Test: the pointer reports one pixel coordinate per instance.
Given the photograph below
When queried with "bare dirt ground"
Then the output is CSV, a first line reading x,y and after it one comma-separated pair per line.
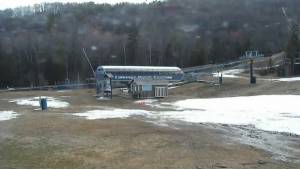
x,y
55,139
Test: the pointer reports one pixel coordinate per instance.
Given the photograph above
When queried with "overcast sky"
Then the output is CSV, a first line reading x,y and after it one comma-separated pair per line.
x,y
17,3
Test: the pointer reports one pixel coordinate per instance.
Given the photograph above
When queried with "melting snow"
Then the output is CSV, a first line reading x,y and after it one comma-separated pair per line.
x,y
292,79
110,114
7,115
153,103
229,73
63,91
173,87
34,101
146,101
278,113
271,113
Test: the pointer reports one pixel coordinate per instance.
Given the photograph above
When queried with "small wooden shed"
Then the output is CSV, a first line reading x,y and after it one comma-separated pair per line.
x,y
148,88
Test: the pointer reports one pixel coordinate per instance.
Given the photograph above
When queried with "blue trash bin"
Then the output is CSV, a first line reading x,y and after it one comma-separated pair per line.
x,y
43,104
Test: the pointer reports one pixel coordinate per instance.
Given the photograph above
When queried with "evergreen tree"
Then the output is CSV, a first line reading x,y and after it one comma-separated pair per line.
x,y
199,54
53,72
169,56
246,45
132,46
216,51
293,46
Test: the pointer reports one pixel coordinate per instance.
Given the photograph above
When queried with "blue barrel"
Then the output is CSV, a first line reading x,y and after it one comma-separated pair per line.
x,y
43,104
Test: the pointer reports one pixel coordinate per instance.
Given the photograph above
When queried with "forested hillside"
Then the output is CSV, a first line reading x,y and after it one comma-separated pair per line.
x,y
43,44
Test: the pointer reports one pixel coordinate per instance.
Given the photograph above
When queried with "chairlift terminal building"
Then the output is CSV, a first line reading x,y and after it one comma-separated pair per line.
x,y
128,74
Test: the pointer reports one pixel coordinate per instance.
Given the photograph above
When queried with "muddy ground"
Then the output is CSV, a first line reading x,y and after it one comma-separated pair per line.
x,y
55,139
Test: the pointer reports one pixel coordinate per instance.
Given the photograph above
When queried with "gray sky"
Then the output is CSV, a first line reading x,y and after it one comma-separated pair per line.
x,y
17,3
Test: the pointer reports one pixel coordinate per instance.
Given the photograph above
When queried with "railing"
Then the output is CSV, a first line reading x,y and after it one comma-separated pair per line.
x,y
53,87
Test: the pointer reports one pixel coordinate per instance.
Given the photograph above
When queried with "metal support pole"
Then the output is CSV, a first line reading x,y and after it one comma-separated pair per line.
x,y
221,78
252,78
110,88
251,68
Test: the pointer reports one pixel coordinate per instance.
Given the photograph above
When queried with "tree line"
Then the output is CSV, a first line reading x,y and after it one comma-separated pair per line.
x,y
42,44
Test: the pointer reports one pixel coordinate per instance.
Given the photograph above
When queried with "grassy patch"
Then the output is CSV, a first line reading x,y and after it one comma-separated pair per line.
x,y
39,155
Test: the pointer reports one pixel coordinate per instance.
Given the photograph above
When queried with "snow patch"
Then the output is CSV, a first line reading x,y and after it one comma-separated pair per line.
x,y
291,79
153,103
270,113
111,114
229,73
7,115
35,102
276,113
65,96
64,91
146,101
173,87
